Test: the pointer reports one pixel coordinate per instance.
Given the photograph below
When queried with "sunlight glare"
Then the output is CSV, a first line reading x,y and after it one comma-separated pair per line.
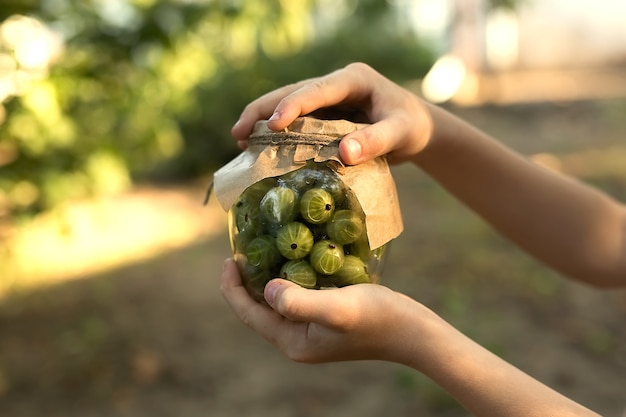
x,y
502,39
27,49
444,79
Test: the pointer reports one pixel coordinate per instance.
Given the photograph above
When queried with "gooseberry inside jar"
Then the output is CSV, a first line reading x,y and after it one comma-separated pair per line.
x,y
305,226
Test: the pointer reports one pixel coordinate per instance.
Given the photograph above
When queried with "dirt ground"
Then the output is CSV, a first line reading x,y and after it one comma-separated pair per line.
x,y
156,339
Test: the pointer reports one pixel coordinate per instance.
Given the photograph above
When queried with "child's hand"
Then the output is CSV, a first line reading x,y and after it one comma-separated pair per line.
x,y
355,322
402,124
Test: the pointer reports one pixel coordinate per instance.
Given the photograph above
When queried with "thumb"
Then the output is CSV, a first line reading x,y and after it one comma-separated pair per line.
x,y
274,290
368,143
297,303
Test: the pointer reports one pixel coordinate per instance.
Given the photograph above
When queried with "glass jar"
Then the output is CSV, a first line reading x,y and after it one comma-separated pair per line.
x,y
297,212
305,226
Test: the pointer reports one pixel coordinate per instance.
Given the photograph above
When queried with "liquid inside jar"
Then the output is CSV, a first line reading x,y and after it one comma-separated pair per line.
x,y
305,226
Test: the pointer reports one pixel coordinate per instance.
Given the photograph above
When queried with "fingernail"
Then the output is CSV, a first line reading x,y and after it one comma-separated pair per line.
x,y
274,116
353,148
271,289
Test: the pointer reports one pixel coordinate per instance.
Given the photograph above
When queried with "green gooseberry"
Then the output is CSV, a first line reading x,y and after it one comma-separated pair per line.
x,y
257,191
329,181
317,206
262,252
345,226
327,256
316,175
300,272
242,239
301,179
254,280
353,271
246,214
279,205
294,240
360,248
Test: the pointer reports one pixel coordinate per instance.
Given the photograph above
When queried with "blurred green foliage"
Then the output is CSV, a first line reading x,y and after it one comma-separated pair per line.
x,y
148,89
506,4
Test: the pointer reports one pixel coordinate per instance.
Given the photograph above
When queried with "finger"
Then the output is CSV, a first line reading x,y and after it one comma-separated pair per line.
x,y
261,109
258,317
282,106
334,89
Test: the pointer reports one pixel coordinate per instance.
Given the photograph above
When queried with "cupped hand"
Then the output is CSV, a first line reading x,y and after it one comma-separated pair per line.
x,y
401,125
351,323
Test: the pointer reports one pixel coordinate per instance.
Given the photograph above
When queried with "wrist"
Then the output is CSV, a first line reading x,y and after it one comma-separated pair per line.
x,y
413,126
441,129
409,341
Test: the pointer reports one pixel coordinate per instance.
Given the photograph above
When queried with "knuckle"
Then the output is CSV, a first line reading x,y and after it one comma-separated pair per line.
x,y
286,91
358,67
302,352
246,318
316,88
296,354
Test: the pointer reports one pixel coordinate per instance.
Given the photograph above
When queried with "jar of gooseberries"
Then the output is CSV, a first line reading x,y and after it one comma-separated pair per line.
x,y
296,212
304,226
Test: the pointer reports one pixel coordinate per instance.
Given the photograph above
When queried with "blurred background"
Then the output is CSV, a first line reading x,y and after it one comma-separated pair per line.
x,y
115,113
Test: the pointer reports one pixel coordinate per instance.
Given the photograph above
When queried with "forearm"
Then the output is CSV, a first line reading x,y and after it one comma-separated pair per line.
x,y
482,382
566,224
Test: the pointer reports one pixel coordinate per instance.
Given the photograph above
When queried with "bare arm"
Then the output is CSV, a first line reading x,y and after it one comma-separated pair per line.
x,y
369,321
483,382
569,225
